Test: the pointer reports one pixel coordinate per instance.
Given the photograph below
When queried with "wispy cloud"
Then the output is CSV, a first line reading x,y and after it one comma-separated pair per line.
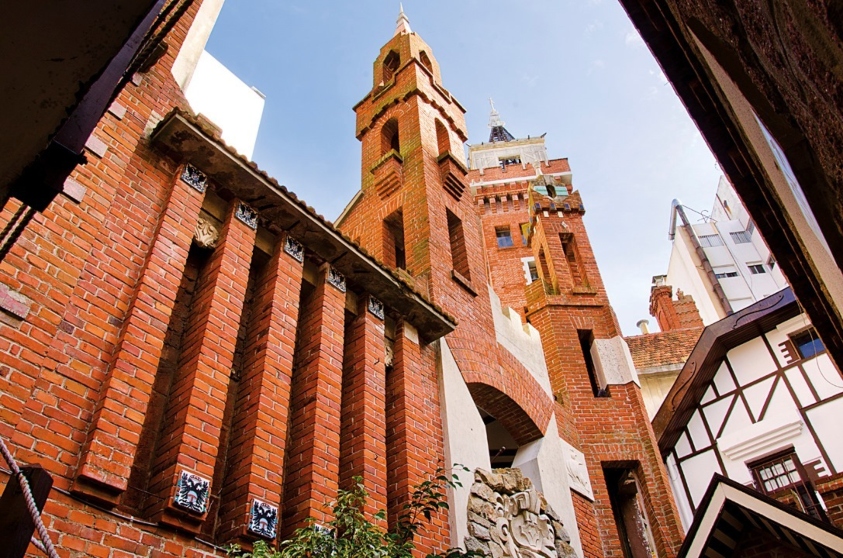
x,y
592,28
529,80
596,66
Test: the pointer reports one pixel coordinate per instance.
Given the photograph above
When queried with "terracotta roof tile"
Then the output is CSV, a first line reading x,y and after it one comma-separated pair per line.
x,y
663,348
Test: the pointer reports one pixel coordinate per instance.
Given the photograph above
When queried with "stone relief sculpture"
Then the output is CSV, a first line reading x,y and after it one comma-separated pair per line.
x,y
206,234
509,518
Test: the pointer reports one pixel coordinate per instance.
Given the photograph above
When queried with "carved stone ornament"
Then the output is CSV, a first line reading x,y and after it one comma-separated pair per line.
x,y
206,234
509,518
577,471
263,519
337,279
389,353
247,215
376,307
192,492
294,248
194,178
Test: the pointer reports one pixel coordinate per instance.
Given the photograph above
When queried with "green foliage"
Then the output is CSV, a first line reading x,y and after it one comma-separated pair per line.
x,y
353,535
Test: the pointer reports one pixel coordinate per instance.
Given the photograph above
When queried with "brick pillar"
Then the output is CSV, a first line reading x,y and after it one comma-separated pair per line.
x,y
413,432
312,473
190,437
363,404
662,307
109,452
259,427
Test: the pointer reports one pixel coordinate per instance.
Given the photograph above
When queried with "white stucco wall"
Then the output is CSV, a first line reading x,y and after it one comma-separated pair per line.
x,y
227,101
520,339
465,439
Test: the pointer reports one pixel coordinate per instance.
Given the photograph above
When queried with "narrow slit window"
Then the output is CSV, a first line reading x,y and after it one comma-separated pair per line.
x,y
459,256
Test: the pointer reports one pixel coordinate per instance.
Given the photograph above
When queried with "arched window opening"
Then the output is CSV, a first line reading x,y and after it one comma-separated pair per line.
x,y
425,60
394,254
390,65
442,139
389,137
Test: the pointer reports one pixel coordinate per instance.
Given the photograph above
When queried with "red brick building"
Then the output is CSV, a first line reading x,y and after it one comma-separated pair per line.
x,y
197,357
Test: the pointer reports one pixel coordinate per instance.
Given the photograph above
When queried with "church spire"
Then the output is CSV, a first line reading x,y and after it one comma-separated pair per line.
x,y
498,133
402,26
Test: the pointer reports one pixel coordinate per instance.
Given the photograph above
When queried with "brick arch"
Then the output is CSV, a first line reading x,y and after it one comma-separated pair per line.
x,y
507,391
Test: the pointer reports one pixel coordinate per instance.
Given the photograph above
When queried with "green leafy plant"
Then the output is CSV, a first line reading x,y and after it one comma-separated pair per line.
x,y
351,534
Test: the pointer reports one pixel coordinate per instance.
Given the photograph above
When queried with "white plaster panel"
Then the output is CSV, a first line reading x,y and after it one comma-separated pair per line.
x,y
465,438
800,387
698,471
544,462
824,376
708,395
756,395
738,419
613,361
520,339
826,422
751,360
696,428
681,498
716,413
683,446
225,100
723,380
719,255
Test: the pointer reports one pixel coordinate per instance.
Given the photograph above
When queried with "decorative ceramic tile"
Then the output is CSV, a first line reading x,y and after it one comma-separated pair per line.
x,y
375,307
195,178
294,248
263,519
192,492
336,278
247,215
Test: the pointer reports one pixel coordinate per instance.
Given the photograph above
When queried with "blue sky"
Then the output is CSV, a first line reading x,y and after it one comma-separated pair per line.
x,y
575,69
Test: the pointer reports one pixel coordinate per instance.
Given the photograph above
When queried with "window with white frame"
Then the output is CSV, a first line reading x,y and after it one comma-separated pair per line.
x,y
756,268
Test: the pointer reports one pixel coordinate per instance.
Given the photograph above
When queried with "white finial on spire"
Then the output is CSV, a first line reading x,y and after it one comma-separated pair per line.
x,y
494,118
402,26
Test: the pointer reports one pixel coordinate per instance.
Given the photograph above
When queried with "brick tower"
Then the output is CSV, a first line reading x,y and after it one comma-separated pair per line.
x,y
416,213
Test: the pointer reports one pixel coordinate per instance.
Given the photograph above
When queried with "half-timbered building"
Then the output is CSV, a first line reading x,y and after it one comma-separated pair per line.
x,y
757,402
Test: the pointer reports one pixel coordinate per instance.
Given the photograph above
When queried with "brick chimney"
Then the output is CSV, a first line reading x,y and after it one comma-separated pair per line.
x,y
673,314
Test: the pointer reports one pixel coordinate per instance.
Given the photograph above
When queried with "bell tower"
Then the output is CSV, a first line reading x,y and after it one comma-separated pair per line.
x,y
414,211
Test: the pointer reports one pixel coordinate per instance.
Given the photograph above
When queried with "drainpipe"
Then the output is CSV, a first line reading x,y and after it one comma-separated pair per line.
x,y
677,209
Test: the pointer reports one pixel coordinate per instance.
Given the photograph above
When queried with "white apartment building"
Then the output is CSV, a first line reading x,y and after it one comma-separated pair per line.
x,y
721,261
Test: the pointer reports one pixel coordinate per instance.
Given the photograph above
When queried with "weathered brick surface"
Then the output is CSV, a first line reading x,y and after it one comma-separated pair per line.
x,y
193,420
414,439
363,435
313,440
259,428
610,431
109,452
